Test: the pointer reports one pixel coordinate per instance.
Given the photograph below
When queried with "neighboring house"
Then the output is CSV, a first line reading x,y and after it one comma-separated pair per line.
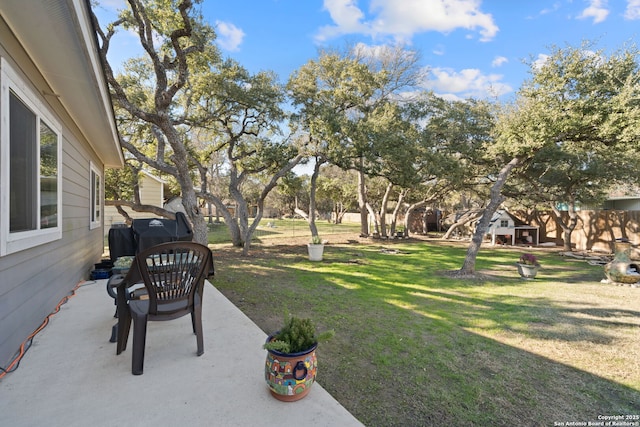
x,y
57,135
151,193
623,203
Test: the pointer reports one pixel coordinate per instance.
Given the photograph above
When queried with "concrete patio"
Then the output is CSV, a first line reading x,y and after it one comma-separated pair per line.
x,y
71,375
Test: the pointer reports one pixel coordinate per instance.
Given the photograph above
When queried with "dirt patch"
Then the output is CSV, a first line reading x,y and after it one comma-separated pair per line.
x,y
270,247
457,274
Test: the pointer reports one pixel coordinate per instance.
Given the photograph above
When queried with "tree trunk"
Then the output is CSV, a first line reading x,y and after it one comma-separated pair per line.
x,y
252,228
383,210
312,198
180,159
410,210
338,211
362,203
567,228
243,223
302,213
464,219
396,212
297,210
247,230
375,216
469,265
229,220
242,211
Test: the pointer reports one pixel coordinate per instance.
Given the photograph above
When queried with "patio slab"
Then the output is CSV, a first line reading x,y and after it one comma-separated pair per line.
x,y
71,375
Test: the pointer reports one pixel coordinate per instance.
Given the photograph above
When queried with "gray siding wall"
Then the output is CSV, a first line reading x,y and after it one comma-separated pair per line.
x,y
34,281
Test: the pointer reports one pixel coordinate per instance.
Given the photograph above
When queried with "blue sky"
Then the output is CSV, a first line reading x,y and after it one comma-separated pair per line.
x,y
470,47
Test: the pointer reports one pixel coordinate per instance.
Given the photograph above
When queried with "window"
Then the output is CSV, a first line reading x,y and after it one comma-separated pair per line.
x,y
504,223
31,164
95,194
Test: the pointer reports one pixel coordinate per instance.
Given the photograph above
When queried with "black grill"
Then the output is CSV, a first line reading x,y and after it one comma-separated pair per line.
x,y
147,232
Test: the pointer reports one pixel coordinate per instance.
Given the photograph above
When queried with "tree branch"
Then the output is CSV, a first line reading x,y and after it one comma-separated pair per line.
x,y
141,208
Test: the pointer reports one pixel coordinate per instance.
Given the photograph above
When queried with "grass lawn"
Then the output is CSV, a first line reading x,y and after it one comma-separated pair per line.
x,y
415,347
273,229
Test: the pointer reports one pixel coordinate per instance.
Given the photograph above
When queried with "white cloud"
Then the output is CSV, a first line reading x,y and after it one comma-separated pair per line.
x,y
540,61
467,83
345,13
229,36
633,10
347,17
597,10
551,9
370,51
439,50
546,11
401,19
498,61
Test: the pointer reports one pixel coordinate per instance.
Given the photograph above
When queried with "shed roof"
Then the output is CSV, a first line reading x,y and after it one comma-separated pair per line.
x,y
502,213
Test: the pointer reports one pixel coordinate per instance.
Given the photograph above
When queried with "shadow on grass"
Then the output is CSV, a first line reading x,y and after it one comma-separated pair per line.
x,y
415,348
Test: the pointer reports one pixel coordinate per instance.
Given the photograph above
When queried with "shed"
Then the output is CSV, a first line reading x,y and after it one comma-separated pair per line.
x,y
425,219
505,228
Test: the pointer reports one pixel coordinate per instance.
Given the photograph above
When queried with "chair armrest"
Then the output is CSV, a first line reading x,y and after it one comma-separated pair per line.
x,y
131,291
113,282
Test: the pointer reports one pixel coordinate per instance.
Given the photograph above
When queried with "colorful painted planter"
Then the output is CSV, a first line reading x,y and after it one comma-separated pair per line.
x,y
290,375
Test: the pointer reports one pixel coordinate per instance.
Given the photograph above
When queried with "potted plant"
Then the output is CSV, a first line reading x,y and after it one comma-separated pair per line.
x,y
315,248
528,266
291,365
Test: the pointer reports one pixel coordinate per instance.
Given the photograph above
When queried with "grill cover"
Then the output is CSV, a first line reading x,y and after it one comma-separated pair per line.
x,y
147,232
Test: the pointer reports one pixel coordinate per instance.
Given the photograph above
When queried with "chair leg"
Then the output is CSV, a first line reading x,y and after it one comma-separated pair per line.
x,y
139,339
123,327
196,318
114,333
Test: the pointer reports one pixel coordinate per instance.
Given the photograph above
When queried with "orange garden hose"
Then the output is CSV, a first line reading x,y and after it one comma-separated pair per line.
x,y
26,344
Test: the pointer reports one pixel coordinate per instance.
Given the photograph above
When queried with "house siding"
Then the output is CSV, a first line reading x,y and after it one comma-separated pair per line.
x,y
35,280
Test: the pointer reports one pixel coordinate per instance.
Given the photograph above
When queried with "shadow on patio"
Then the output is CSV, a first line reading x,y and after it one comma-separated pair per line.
x,y
71,375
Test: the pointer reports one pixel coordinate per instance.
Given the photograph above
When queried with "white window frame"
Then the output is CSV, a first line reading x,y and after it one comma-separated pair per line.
x,y
95,200
10,81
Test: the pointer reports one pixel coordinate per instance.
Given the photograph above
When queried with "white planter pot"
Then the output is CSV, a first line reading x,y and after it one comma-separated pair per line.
x,y
315,252
526,271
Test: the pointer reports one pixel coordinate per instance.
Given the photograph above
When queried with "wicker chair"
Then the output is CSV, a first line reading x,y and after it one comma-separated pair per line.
x,y
173,275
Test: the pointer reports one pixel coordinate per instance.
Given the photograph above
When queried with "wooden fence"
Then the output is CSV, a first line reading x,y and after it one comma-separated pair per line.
x,y
595,231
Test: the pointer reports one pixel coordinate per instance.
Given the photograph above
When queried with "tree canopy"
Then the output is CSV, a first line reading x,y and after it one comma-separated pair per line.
x,y
181,106
579,104
222,135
